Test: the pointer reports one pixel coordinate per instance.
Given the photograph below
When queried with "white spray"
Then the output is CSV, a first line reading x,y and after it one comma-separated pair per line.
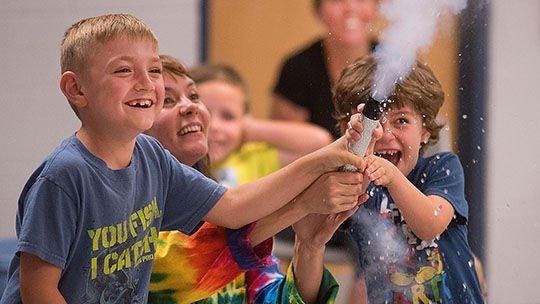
x,y
412,27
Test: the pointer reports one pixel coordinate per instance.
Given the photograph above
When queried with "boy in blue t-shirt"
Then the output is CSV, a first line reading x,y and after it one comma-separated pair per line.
x,y
412,231
89,216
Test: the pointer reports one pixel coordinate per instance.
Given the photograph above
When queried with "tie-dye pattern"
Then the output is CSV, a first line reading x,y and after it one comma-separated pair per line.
x,y
210,266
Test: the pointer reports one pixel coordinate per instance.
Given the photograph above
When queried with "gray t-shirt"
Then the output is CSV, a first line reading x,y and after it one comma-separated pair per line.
x,y
100,226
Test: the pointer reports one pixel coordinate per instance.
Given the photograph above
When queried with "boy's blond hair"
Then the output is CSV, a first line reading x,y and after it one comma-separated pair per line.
x,y
420,89
81,37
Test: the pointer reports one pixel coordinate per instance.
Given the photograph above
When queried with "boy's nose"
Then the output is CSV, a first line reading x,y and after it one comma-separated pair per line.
x,y
388,132
144,83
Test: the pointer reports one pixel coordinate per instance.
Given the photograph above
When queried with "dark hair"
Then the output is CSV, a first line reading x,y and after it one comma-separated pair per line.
x,y
420,89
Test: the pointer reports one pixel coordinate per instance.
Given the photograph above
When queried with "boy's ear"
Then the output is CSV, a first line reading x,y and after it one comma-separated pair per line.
x,y
71,86
425,136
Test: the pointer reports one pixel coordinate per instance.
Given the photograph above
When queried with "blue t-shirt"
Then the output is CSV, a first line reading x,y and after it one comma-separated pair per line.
x,y
397,266
100,226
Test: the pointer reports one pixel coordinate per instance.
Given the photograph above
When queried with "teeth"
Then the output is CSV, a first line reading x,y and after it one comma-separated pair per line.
x,y
189,129
389,152
140,103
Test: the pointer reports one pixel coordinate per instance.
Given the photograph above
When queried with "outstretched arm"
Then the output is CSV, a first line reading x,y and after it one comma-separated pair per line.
x,y
331,193
250,202
291,139
312,234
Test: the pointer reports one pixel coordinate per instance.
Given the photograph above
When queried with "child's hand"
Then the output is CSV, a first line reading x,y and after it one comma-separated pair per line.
x,y
380,171
332,193
355,128
336,155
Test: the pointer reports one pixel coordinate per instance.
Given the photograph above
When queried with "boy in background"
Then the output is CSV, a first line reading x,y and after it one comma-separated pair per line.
x,y
412,231
89,216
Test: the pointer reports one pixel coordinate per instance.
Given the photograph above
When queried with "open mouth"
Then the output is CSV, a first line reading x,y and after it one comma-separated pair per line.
x,y
392,156
190,129
140,103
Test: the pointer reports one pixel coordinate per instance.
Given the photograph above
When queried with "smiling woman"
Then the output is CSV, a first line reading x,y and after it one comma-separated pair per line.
x,y
182,125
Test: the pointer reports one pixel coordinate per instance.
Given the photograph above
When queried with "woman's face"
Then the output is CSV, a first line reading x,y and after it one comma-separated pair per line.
x,y
346,20
226,104
182,124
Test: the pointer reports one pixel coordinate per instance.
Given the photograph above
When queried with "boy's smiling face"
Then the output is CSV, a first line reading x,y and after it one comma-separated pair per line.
x,y
123,86
402,137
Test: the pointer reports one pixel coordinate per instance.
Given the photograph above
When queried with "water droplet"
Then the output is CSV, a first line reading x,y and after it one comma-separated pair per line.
x,y
448,171
479,148
422,180
464,116
445,191
470,263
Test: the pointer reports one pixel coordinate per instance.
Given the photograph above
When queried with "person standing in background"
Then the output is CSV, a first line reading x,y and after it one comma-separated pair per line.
x,y
303,91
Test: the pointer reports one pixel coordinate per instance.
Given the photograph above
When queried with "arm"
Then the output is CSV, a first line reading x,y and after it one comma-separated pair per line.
x,y
312,234
239,206
39,280
332,192
358,291
427,216
283,109
291,139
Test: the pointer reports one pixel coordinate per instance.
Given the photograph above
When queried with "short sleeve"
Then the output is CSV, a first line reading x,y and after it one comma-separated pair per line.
x,y
290,83
446,180
48,221
189,197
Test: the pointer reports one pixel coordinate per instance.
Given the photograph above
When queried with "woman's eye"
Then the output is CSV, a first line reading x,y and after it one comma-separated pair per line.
x,y
167,102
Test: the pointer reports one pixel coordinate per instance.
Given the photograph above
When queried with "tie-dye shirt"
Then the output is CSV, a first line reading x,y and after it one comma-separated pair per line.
x,y
218,265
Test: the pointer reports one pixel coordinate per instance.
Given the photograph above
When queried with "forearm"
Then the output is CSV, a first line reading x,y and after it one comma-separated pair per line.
x,y
290,137
252,201
308,263
427,216
272,224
